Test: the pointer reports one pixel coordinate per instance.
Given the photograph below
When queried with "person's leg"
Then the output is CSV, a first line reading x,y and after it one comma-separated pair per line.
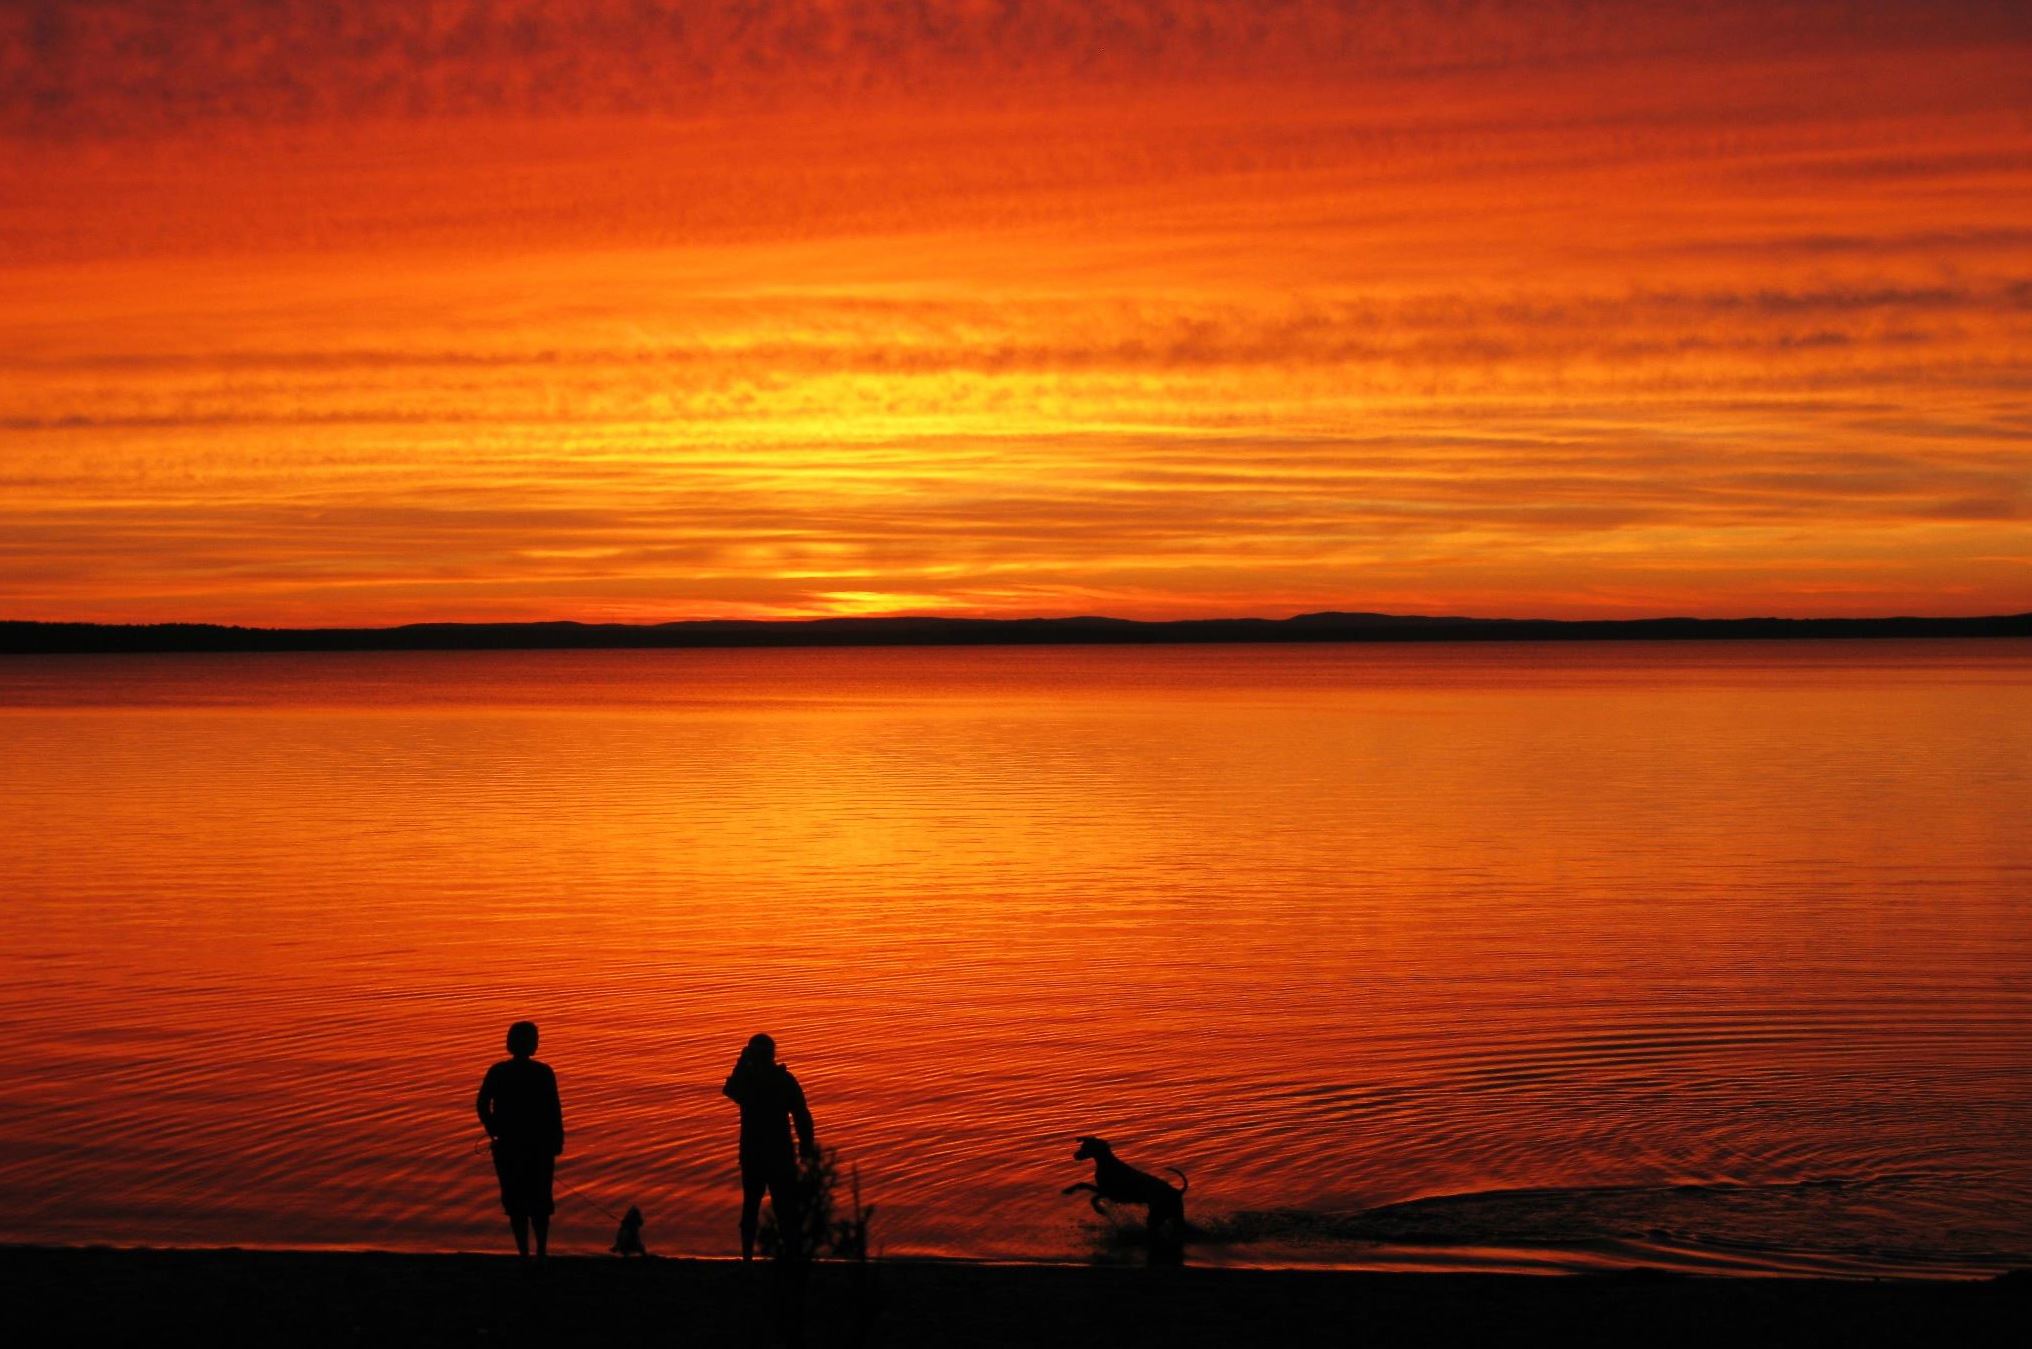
x,y
511,1196
753,1183
542,1172
783,1203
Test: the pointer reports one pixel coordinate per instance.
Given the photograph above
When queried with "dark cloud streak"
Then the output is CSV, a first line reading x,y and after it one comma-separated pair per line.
x,y
82,67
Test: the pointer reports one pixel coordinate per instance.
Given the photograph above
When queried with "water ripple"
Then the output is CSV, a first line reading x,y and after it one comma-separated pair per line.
x,y
1715,958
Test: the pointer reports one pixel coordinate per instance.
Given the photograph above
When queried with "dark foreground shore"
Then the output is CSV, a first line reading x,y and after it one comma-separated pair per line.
x,y
295,1298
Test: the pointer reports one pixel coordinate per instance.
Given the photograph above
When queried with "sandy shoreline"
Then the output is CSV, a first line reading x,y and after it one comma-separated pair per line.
x,y
103,1295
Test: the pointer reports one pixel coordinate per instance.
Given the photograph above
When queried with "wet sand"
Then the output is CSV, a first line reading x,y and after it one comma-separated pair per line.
x,y
290,1298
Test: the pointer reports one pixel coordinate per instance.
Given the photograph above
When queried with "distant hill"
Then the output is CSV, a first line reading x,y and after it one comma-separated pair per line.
x,y
19,638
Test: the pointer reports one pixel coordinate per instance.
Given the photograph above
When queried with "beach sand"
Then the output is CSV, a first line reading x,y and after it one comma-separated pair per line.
x,y
100,1295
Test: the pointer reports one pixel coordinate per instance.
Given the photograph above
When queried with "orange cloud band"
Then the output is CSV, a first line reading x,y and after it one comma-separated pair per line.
x,y
1564,313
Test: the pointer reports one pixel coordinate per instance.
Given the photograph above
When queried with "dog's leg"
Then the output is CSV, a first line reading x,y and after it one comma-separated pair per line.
x,y
1093,1195
1181,1230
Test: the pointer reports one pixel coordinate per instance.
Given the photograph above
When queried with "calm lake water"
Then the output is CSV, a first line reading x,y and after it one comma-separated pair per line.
x,y
1702,955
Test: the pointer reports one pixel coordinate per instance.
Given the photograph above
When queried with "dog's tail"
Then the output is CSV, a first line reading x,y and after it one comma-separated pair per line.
x,y
1183,1183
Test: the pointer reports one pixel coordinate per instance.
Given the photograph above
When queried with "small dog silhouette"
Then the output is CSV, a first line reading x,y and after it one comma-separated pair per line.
x,y
1116,1180
628,1241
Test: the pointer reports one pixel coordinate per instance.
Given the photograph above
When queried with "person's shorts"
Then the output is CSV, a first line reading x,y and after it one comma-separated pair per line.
x,y
525,1176
769,1169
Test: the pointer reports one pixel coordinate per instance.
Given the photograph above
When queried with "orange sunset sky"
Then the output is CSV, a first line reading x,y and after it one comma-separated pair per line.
x,y
396,310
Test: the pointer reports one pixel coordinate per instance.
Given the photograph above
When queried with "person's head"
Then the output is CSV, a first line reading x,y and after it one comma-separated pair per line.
x,y
761,1051
522,1039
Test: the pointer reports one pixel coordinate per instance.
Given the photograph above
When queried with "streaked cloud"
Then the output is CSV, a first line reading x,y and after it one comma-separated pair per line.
x,y
377,313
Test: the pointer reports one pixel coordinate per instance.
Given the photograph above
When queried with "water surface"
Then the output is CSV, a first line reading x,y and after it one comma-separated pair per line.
x,y
1706,955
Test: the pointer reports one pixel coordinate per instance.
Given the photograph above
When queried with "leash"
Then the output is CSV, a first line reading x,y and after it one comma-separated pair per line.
x,y
487,1145
570,1188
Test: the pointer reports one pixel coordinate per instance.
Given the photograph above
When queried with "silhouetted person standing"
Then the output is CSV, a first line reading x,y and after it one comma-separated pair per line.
x,y
519,1110
770,1102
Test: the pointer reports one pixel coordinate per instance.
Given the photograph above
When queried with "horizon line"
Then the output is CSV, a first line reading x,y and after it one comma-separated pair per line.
x,y
45,637
1071,617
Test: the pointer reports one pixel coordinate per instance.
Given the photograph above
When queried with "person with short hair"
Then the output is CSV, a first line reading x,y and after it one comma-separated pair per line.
x,y
519,1109
769,1096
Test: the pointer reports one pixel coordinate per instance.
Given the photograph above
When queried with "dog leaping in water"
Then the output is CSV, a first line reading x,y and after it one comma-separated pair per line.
x,y
1118,1182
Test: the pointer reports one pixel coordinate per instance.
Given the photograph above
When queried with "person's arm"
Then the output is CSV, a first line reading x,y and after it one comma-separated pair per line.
x,y
556,1118
484,1103
800,1115
727,1090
